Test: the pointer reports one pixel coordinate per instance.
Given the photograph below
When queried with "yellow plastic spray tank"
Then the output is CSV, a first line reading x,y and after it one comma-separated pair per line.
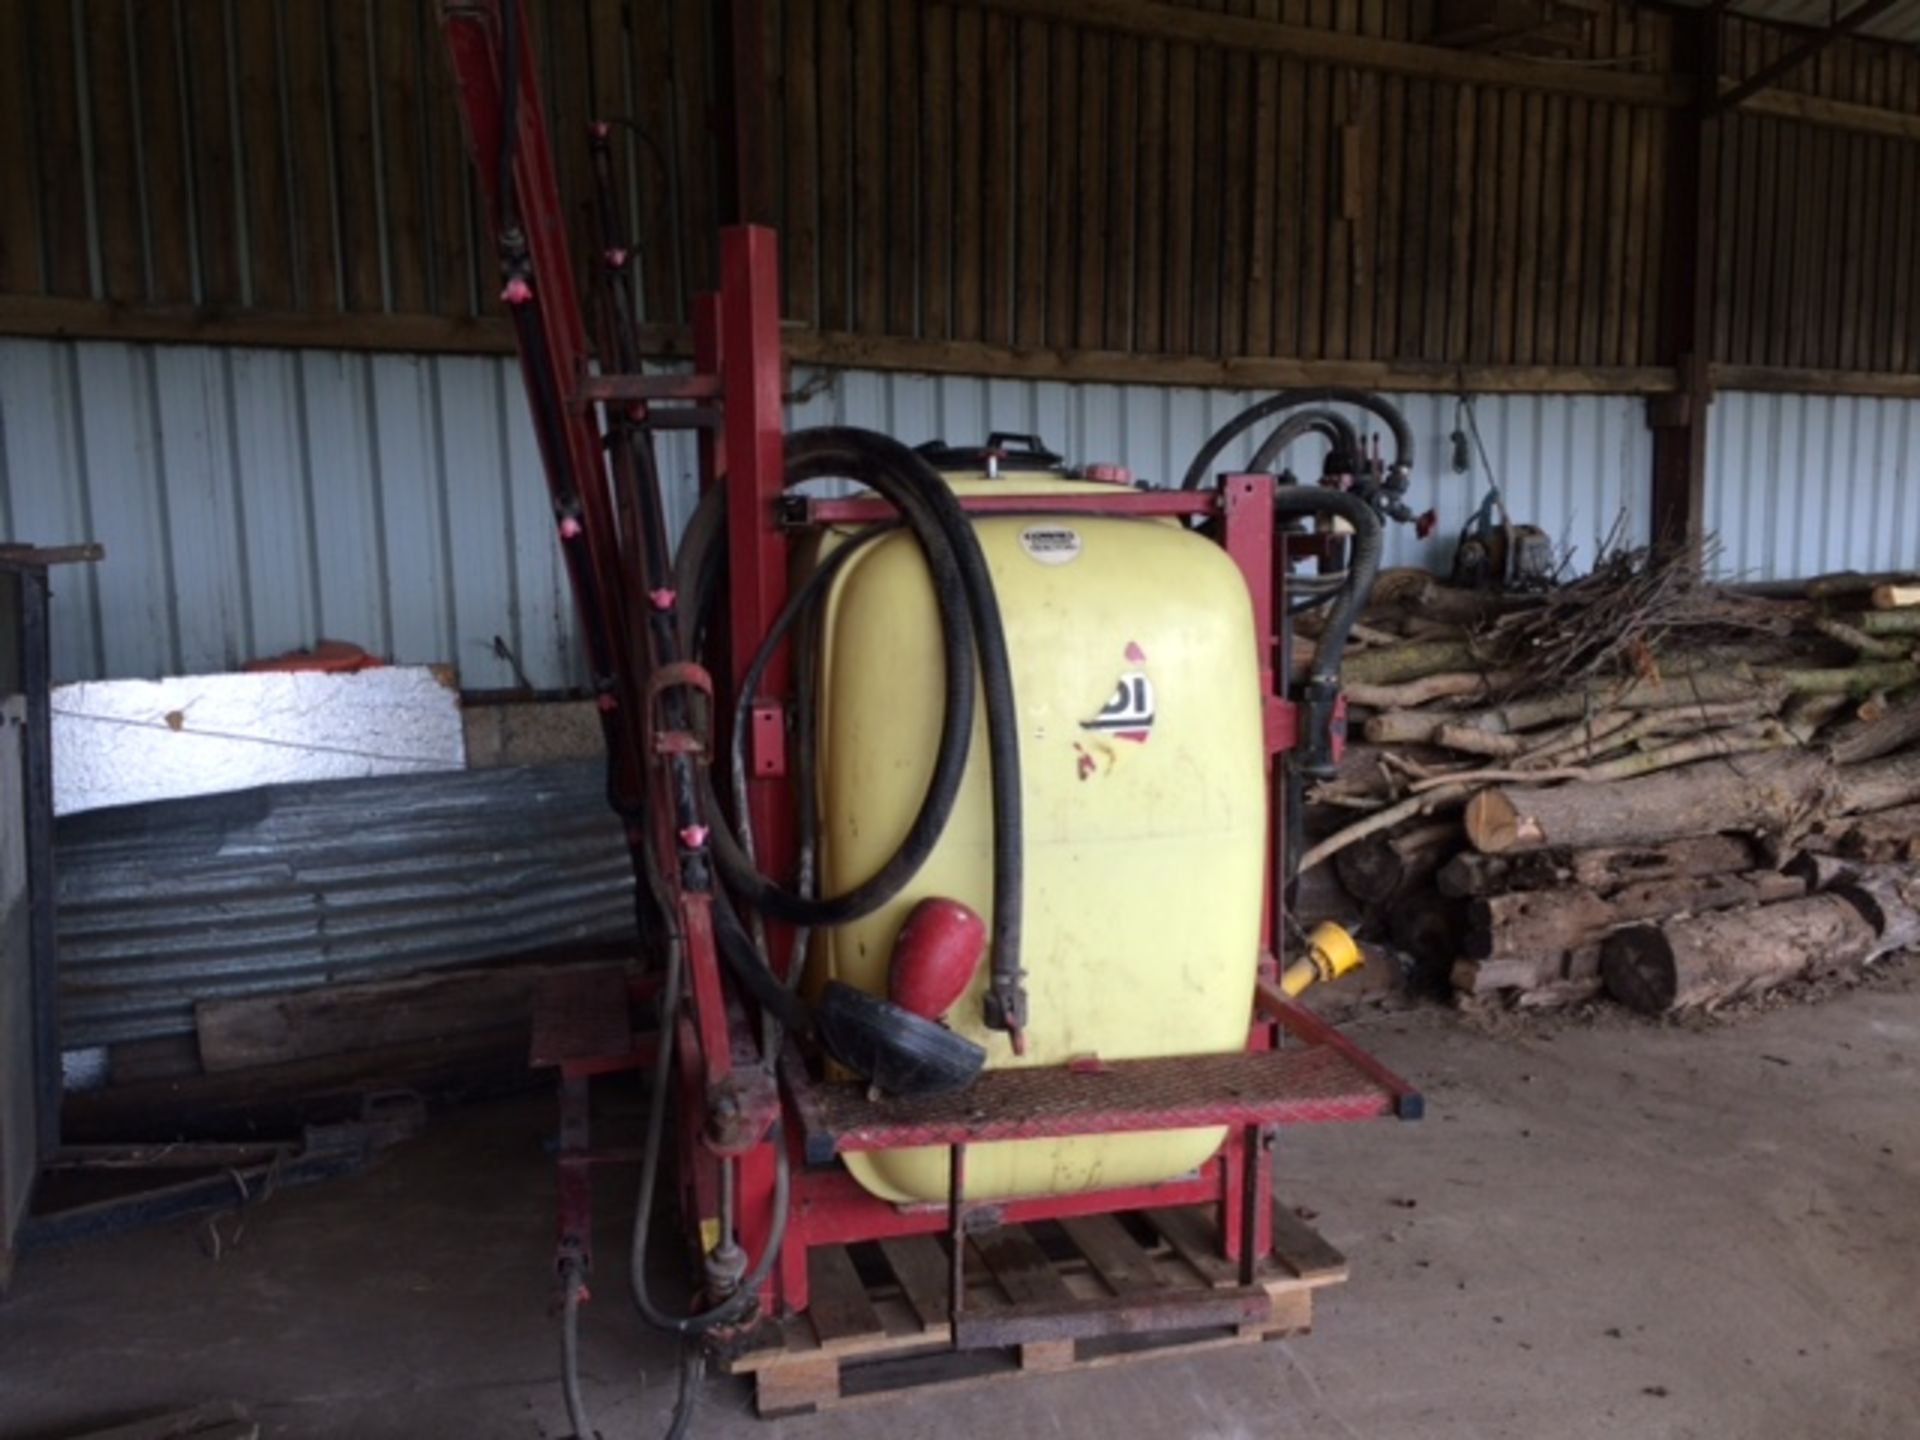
x,y
1144,786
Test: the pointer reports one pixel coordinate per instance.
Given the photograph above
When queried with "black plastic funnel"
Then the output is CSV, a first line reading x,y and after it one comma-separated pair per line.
x,y
899,1052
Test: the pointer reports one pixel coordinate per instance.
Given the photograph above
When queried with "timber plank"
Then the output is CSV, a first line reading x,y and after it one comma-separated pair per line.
x,y
1619,149
1209,118
1030,219
1641,184
1123,190
870,199
1177,329
163,155
1234,103
116,170
920,1265
1414,235
1905,254
19,162
350,59
1506,244
1391,190
969,141
1342,209
838,1306
1436,281
936,174
448,177
1150,289
1290,200
1314,206
699,223
1303,1250
316,285
402,127
800,107
1261,216
998,218
1114,1254
1363,206
564,54
651,62
1527,243
1461,239
1551,238
1021,1267
1091,205
56,100
1574,250
1194,1233
903,104
253,1030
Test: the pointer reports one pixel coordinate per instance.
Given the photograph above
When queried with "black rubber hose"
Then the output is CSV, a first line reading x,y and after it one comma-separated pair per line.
x,y
1331,424
1324,673
1202,466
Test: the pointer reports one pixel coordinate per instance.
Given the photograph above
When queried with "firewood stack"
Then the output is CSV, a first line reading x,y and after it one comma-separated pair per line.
x,y
1635,784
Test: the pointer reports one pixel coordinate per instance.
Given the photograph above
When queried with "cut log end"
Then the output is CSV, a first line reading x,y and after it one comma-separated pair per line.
x,y
1638,966
1494,825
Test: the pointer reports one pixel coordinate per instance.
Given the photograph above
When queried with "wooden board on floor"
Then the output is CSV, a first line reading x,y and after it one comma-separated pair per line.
x,y
237,1034
874,1333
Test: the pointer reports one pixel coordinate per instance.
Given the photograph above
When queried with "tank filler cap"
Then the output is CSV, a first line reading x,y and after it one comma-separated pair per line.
x,y
1110,474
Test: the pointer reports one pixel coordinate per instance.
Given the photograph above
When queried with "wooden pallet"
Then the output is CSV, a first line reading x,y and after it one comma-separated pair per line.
x,y
877,1326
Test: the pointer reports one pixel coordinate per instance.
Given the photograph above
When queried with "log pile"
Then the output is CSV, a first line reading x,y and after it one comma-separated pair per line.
x,y
1637,784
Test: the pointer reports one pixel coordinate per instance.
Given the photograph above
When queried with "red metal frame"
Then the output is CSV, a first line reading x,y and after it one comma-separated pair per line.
x,y
738,365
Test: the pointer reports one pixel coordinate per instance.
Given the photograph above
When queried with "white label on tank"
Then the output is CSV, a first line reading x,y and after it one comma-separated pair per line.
x,y
1051,544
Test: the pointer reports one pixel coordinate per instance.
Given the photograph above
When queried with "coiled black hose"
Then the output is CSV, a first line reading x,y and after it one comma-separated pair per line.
x,y
812,456
969,617
1202,466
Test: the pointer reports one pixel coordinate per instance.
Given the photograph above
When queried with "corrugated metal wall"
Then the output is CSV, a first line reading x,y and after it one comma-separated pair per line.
x,y
255,500
1807,484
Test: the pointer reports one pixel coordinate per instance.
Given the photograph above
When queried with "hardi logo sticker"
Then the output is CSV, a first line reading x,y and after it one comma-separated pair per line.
x,y
1051,544
1127,715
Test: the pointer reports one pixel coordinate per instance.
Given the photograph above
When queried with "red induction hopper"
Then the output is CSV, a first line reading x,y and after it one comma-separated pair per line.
x,y
936,957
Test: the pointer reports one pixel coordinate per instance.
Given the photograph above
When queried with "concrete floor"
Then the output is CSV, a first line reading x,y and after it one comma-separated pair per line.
x,y
1606,1230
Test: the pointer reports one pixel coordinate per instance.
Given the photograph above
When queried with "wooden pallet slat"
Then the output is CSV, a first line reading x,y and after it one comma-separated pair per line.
x,y
1194,1235
1303,1250
1116,1257
839,1308
1022,1267
920,1265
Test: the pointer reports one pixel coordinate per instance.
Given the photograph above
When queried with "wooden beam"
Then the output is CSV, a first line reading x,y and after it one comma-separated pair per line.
x,y
39,318
873,352
432,334
1769,75
1834,114
60,319
1773,380
1157,21
1688,294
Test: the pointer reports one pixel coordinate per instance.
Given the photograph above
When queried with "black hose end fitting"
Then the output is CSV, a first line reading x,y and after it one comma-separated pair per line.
x,y
1322,730
1005,1003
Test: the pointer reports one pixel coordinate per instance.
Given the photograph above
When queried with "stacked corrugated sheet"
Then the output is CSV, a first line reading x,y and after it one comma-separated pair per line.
x,y
292,887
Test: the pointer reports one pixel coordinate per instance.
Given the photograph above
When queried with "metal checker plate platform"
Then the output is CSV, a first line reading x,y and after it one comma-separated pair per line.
x,y
1275,1087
